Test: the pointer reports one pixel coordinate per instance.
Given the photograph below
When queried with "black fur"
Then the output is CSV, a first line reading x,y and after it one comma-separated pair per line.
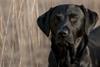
x,y
70,26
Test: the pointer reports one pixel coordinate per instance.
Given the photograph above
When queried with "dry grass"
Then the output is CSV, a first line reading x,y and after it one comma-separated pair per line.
x,y
22,44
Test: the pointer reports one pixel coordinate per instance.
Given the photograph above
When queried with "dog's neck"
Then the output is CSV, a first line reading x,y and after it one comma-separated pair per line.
x,y
81,48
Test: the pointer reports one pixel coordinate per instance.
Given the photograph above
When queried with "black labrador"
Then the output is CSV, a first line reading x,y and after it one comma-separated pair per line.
x,y
69,25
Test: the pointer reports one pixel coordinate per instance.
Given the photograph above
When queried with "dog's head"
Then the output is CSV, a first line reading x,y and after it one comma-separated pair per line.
x,y
67,22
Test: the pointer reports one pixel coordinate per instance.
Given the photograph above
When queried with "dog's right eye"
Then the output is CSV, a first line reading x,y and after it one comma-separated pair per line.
x,y
59,17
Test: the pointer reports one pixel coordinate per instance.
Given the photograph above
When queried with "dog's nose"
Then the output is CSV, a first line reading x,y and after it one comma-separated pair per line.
x,y
63,33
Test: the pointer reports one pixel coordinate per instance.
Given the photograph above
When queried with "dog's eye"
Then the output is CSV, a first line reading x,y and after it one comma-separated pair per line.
x,y
73,19
59,17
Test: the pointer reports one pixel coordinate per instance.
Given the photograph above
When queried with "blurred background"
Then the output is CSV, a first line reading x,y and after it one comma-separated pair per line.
x,y
22,43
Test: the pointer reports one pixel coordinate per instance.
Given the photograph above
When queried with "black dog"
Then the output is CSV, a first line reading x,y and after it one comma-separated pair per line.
x,y
69,25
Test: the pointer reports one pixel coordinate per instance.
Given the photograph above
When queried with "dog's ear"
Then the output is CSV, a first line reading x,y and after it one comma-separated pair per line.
x,y
91,18
43,21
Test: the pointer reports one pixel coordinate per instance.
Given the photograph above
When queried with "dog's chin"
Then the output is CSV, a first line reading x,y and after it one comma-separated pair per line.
x,y
64,42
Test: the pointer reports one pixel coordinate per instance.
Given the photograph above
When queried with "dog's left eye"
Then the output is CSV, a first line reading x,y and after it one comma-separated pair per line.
x,y
73,20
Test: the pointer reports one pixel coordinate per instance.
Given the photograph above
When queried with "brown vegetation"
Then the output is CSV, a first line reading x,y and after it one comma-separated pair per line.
x,y
22,44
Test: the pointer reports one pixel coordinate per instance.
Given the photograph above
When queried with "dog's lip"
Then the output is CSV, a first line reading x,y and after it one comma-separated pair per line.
x,y
65,40
64,43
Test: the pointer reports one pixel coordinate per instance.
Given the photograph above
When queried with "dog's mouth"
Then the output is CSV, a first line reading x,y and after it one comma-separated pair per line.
x,y
65,41
68,41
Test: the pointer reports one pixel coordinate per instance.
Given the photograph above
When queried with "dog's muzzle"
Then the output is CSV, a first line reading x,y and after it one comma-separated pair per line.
x,y
64,38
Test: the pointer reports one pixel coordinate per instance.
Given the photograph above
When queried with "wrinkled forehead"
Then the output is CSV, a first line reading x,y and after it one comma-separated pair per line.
x,y
74,10
66,10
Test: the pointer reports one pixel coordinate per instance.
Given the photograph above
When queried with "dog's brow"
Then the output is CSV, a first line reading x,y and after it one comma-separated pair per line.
x,y
72,15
